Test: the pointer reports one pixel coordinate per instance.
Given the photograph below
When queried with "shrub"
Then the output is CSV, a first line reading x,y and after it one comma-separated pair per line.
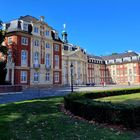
x,y
82,104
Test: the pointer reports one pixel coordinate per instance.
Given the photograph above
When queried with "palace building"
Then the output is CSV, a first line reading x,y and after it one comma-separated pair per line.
x,y
34,52
37,56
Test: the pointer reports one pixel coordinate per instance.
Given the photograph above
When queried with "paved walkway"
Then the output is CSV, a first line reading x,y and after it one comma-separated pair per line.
x,y
33,93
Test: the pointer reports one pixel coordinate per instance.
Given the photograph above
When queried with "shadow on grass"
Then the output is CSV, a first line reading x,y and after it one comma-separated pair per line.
x,y
41,119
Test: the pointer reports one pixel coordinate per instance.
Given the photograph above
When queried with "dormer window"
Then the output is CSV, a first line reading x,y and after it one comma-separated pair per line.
x,y
25,27
56,35
9,40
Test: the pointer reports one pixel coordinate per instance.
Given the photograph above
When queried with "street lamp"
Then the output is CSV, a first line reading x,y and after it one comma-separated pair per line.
x,y
71,68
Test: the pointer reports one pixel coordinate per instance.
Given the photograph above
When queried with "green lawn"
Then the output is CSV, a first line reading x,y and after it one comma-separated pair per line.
x,y
125,99
42,120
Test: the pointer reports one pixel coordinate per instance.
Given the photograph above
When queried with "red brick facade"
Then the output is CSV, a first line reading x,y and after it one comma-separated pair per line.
x,y
57,52
16,47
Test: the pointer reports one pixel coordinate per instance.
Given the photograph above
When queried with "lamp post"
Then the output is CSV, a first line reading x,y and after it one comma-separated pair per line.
x,y
71,68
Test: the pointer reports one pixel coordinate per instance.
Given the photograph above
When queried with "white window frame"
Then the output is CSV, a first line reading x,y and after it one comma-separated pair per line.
x,y
24,40
23,77
10,40
24,58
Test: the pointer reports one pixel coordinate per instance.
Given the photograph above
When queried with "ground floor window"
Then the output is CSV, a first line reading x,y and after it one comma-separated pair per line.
x,y
56,77
36,76
23,76
47,76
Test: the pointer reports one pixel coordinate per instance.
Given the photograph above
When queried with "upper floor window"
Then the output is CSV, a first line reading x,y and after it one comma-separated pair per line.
x,y
47,33
23,76
56,61
48,45
36,43
25,26
23,57
56,47
24,41
36,76
36,58
47,59
9,40
36,30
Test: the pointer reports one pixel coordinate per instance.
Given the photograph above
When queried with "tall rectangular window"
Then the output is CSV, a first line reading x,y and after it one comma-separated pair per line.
x,y
36,58
47,59
36,76
48,76
23,77
56,61
36,30
47,33
24,40
56,77
24,57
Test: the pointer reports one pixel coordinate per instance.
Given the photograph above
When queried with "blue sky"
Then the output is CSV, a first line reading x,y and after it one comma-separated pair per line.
x,y
101,27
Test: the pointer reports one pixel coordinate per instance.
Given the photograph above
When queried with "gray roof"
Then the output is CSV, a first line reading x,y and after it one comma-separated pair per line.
x,y
95,57
120,55
29,18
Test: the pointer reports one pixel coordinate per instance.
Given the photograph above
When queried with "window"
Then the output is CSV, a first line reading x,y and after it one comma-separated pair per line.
x,y
9,40
23,57
56,47
135,70
24,41
36,43
23,77
48,45
56,35
47,59
36,30
47,33
56,61
36,76
47,76
36,58
130,71
56,77
25,27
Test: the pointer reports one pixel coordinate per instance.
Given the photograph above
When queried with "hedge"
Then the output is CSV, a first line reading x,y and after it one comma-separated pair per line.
x,y
82,104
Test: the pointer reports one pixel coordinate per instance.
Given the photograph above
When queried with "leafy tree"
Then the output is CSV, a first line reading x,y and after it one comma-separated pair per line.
x,y
3,54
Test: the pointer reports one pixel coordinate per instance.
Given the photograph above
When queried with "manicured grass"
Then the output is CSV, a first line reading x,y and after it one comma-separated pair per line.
x,y
125,99
42,120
